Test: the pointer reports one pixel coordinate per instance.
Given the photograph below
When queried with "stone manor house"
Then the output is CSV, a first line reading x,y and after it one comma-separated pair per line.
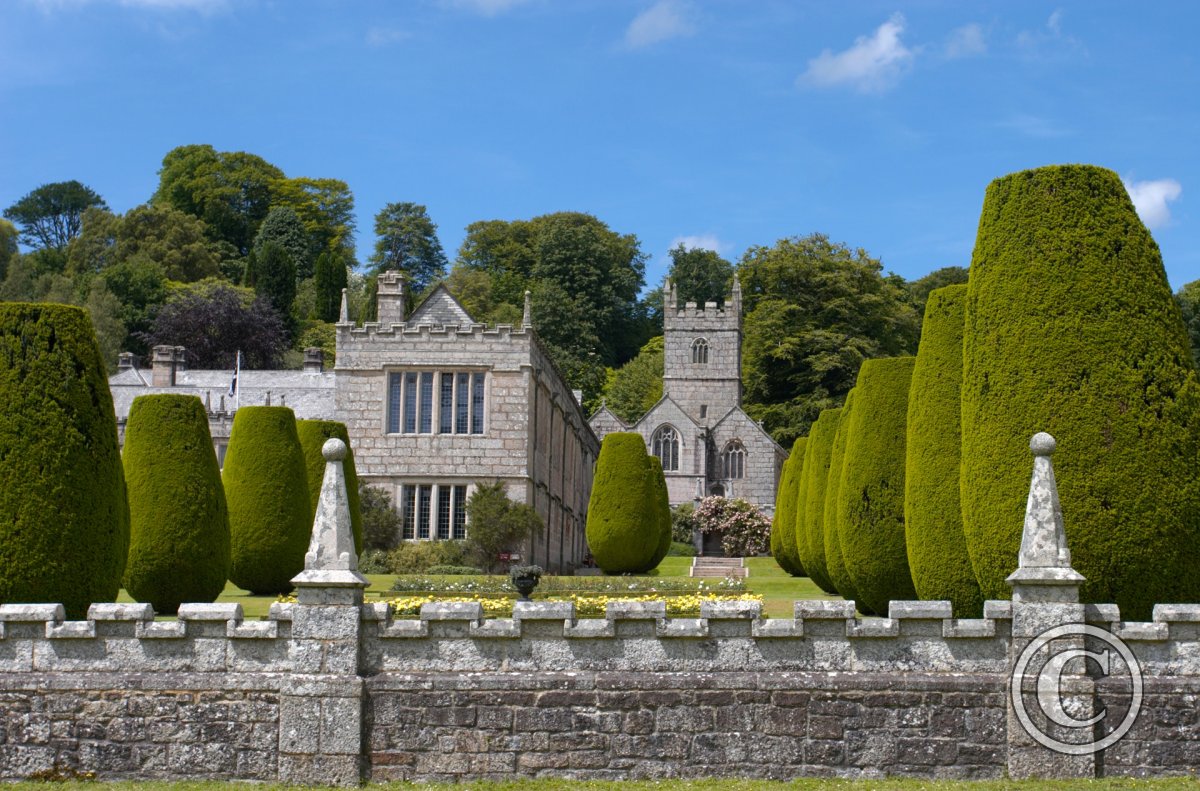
x,y
433,402
707,444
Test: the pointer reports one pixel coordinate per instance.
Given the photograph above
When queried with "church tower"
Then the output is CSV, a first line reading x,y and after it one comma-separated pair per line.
x,y
702,361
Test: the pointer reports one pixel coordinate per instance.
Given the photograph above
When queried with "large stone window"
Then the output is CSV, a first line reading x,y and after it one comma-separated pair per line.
x,y
445,402
733,460
433,511
665,446
700,351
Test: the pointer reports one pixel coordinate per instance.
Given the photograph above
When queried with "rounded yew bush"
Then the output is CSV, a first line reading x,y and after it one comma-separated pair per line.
x,y
835,563
810,508
1071,329
64,519
622,522
266,487
662,502
933,532
783,523
178,521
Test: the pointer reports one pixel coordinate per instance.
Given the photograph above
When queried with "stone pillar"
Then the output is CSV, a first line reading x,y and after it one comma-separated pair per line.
x,y
162,366
321,701
389,298
124,361
1045,597
314,360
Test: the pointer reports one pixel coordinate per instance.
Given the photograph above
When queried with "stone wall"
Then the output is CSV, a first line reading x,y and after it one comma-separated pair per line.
x,y
450,695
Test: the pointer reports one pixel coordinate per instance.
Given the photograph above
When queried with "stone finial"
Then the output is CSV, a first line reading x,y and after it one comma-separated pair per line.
x,y
331,560
736,298
344,313
527,318
1044,559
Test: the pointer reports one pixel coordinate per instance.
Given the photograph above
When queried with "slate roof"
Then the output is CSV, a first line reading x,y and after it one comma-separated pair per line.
x,y
310,395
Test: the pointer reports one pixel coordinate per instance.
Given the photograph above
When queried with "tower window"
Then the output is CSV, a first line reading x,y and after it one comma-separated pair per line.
x,y
665,445
733,460
700,351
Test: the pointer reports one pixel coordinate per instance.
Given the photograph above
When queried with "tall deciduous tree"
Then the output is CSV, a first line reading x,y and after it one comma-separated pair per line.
x,y
638,384
1188,299
325,208
174,240
700,275
407,241
230,191
815,309
8,245
51,215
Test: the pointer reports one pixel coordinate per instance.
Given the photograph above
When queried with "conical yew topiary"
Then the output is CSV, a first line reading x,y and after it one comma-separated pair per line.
x,y
622,521
662,503
937,548
266,487
810,508
783,530
871,497
1071,329
64,521
835,563
313,435
178,521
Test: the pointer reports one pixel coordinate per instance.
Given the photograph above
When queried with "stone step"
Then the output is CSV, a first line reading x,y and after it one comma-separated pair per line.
x,y
718,567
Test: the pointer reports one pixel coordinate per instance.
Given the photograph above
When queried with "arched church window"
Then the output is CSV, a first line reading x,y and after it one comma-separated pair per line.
x,y
665,445
733,460
700,351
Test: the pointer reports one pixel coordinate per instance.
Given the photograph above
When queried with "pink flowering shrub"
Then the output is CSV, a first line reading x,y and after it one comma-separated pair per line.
x,y
744,529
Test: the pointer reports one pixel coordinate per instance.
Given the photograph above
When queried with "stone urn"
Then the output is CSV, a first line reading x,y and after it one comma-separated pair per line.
x,y
525,579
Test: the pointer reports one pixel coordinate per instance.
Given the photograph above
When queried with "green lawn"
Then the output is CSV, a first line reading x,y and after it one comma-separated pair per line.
x,y
1107,784
766,578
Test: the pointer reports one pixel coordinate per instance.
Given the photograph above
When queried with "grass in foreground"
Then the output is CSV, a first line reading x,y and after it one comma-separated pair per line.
x,y
813,784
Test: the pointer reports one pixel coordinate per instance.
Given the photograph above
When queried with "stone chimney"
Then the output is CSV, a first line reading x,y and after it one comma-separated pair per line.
x,y
314,360
162,366
389,298
125,361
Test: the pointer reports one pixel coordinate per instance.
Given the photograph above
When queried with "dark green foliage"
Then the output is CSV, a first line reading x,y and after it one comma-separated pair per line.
x,y
685,549
835,563
313,434
51,215
64,521
266,487
815,309
496,524
700,275
1188,299
810,508
662,504
380,519
214,320
275,278
636,386
330,276
683,522
178,521
408,242
937,548
783,530
283,227
622,521
1071,329
871,497
417,557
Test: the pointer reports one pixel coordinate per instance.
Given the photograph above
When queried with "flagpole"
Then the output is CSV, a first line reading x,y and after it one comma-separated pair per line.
x,y
238,377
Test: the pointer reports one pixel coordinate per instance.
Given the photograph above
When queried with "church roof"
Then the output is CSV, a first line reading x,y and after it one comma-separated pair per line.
x,y
738,415
440,308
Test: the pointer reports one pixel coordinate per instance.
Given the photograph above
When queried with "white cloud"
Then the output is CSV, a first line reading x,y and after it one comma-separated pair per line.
x,y
383,36
484,7
704,241
664,20
873,64
966,41
1150,198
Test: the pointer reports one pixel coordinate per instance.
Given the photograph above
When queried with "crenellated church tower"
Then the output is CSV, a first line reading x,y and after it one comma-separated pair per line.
x,y
702,361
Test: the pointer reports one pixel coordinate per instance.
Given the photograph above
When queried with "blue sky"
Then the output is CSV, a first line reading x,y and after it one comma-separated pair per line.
x,y
723,123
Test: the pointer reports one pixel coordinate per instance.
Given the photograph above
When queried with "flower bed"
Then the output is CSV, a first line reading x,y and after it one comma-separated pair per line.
x,y
588,606
563,585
